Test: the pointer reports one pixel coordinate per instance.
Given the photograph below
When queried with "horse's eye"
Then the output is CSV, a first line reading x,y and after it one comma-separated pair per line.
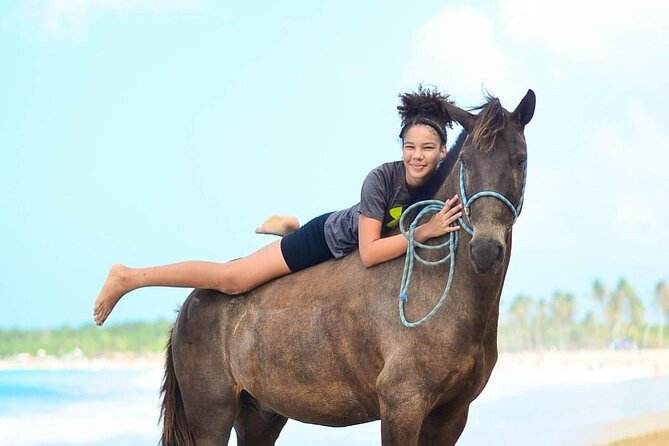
x,y
463,160
521,162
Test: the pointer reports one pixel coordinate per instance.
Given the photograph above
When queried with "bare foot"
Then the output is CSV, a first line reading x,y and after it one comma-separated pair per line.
x,y
110,294
279,225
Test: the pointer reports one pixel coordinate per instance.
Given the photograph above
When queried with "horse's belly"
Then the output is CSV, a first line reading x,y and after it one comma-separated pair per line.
x,y
328,404
328,387
315,364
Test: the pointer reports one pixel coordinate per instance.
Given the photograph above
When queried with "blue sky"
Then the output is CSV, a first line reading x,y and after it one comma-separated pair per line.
x,y
153,131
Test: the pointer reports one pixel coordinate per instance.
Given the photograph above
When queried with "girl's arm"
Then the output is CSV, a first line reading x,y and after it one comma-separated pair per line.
x,y
374,249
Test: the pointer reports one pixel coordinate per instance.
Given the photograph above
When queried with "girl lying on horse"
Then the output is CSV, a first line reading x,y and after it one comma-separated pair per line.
x,y
386,192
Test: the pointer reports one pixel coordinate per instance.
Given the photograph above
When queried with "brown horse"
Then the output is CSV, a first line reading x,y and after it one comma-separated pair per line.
x,y
326,345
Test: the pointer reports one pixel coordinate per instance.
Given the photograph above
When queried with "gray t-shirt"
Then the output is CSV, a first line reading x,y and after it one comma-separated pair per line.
x,y
384,197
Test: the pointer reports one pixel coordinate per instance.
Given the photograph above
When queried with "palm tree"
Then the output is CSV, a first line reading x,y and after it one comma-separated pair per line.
x,y
599,292
601,295
613,313
590,336
563,307
539,323
624,310
520,311
662,301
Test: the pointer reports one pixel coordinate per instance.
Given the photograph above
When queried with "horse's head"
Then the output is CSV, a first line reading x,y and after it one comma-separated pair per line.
x,y
491,171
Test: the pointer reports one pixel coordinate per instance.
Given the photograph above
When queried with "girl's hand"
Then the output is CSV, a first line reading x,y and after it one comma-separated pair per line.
x,y
439,223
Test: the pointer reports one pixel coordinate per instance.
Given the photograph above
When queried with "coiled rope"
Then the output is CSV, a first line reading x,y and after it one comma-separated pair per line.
x,y
431,207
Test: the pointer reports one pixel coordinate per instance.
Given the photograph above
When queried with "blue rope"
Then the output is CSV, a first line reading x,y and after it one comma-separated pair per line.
x,y
431,207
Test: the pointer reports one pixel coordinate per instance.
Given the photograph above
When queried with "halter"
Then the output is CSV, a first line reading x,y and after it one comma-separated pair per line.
x,y
466,203
432,207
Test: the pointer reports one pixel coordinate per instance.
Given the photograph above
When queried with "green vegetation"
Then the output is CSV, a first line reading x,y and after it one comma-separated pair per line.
x,y
138,337
619,318
618,315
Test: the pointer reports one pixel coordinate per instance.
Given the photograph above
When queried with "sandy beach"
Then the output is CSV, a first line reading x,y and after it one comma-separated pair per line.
x,y
649,430
77,361
514,374
655,439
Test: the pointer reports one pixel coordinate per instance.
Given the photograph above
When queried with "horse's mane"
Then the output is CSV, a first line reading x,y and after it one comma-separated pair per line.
x,y
490,122
454,153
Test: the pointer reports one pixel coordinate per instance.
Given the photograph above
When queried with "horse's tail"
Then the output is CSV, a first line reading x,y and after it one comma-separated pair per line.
x,y
175,427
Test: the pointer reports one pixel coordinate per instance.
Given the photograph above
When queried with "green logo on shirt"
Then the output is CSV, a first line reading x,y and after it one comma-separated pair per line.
x,y
395,213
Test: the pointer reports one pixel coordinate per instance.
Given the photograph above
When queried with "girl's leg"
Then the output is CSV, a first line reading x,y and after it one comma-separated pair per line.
x,y
279,225
232,277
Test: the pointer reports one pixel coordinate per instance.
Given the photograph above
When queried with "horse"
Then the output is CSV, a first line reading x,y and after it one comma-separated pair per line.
x,y
326,346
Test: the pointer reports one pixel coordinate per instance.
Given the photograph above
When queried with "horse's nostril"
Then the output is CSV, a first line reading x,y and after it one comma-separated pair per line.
x,y
488,248
486,254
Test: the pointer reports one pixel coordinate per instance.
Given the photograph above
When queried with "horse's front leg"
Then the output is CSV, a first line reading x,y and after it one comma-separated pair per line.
x,y
443,426
402,409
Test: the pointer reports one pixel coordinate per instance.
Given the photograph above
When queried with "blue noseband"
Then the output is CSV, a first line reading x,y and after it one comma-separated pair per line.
x,y
466,203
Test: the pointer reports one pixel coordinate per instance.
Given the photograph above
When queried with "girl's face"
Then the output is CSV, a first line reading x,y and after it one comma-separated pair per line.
x,y
421,151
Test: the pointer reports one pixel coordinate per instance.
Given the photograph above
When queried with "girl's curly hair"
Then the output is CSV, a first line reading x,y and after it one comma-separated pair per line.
x,y
426,106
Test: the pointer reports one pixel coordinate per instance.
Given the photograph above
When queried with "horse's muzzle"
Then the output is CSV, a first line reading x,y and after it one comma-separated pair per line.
x,y
486,255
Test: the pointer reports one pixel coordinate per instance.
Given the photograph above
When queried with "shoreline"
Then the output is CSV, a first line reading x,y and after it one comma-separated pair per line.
x,y
112,361
545,367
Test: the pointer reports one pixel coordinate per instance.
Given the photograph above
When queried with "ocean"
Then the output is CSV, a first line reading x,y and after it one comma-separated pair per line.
x,y
121,407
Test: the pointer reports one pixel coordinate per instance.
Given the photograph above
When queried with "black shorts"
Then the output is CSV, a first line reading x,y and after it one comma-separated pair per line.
x,y
306,246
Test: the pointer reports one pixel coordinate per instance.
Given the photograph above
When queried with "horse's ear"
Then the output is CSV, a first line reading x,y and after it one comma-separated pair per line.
x,y
464,118
525,110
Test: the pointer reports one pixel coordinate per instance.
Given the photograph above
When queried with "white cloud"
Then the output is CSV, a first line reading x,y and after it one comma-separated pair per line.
x,y
637,153
595,30
69,19
458,49
612,196
549,209
617,41
617,194
635,160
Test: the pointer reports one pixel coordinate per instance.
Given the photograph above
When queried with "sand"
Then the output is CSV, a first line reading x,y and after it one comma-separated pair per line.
x,y
76,361
655,439
648,430
651,429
